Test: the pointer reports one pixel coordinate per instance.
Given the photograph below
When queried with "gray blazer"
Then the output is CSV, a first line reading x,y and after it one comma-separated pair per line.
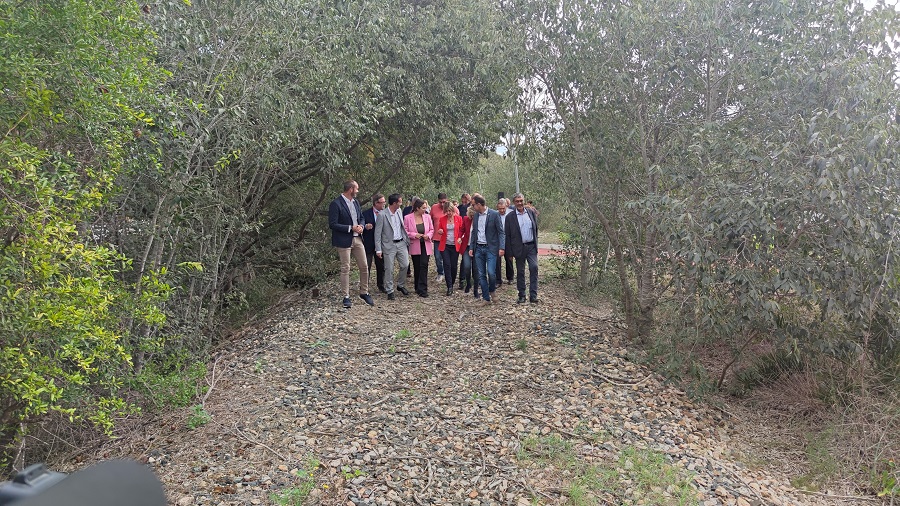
x,y
493,231
384,233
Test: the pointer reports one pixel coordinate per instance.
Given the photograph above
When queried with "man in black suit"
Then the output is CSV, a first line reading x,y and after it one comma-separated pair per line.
x,y
371,215
521,240
345,219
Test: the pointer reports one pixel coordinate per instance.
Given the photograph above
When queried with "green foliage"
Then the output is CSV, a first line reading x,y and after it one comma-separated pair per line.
x,y
198,417
175,384
886,480
551,449
653,479
75,76
295,496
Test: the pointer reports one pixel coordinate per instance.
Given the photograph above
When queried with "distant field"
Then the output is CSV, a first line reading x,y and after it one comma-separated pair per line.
x,y
548,237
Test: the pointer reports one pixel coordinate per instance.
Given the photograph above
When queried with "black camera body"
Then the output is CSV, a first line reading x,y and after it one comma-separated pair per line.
x,y
33,480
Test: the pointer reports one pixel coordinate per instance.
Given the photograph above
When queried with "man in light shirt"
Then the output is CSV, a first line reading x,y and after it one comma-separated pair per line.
x,y
345,219
392,242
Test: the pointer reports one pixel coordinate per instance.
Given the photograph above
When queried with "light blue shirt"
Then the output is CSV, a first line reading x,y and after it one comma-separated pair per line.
x,y
353,215
396,220
482,223
525,225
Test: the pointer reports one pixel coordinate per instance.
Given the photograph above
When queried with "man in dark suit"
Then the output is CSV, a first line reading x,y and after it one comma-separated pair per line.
x,y
521,241
371,215
345,219
488,242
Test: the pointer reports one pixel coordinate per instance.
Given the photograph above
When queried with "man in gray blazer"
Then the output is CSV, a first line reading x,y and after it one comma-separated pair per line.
x,y
488,242
392,241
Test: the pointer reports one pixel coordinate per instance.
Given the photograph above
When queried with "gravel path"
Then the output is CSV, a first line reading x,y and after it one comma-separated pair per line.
x,y
436,401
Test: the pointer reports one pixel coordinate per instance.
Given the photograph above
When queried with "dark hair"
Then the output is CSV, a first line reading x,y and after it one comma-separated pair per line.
x,y
479,200
349,184
442,196
417,203
377,197
393,198
465,196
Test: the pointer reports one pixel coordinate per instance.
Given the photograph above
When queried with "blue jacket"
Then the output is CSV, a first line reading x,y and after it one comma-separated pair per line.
x,y
340,222
493,231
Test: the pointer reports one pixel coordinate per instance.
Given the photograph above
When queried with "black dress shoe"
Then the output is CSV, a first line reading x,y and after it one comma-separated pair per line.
x,y
391,296
423,294
468,287
521,299
402,290
381,289
449,291
347,303
368,298
533,300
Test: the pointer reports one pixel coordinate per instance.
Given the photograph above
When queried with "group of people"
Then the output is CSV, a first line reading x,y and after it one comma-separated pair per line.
x,y
469,241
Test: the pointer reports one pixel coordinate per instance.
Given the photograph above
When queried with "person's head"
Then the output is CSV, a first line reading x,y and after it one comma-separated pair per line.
x,y
350,189
479,203
395,201
519,202
419,206
378,201
464,199
530,204
501,206
470,212
442,197
449,209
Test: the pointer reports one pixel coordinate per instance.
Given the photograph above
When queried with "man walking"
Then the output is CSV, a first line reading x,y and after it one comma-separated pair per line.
x,y
487,242
371,216
521,242
345,219
392,242
504,210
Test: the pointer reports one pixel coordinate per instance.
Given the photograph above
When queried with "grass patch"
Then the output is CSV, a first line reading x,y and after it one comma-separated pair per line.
x,y
198,417
638,476
296,495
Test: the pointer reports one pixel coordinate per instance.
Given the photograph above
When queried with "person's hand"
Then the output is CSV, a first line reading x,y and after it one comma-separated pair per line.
x,y
440,231
500,253
471,253
368,226
379,254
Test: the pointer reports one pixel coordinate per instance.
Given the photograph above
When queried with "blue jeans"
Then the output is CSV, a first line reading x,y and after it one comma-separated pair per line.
x,y
438,261
486,262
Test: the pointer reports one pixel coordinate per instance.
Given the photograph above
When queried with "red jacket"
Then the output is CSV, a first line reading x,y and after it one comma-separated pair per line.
x,y
457,231
464,234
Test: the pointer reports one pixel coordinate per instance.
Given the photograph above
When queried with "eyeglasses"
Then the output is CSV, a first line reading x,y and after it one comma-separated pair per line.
x,y
519,201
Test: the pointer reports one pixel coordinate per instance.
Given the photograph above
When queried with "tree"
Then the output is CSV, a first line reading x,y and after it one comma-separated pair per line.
x,y
74,76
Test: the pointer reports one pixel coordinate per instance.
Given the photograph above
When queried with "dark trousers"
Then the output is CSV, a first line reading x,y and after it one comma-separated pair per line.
x,y
465,269
510,273
420,271
450,257
529,257
379,267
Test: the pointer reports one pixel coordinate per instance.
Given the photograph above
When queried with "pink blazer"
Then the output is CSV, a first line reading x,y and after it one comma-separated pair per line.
x,y
409,223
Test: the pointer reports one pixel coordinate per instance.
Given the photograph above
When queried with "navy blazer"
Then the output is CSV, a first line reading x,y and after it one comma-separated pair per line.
x,y
369,235
340,222
514,244
493,231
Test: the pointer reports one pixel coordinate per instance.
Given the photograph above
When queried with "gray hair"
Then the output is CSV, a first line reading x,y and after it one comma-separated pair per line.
x,y
518,195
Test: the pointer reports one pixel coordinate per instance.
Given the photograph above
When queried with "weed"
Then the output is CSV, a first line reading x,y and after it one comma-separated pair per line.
x,y
295,496
173,384
522,344
822,464
350,473
258,366
402,334
886,481
198,417
480,397
320,343
392,349
551,449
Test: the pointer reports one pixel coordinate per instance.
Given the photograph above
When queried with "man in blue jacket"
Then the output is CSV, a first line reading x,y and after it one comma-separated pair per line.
x,y
346,221
488,242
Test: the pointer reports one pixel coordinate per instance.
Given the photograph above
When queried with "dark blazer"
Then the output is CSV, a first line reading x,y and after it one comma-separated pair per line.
x,y
493,231
514,243
368,236
340,222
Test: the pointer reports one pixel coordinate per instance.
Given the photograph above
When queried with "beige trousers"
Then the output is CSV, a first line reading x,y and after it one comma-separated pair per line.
x,y
357,251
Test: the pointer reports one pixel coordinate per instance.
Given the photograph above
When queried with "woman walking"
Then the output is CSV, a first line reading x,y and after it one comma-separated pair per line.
x,y
449,231
420,230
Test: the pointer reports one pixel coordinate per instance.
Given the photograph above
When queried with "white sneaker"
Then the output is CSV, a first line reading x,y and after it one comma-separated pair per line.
x,y
439,278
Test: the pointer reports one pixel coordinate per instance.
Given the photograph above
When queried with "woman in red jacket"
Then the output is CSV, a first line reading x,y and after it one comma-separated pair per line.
x,y
467,263
418,226
450,230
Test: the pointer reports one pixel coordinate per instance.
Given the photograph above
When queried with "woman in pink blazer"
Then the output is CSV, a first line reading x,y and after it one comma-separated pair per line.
x,y
450,232
420,229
